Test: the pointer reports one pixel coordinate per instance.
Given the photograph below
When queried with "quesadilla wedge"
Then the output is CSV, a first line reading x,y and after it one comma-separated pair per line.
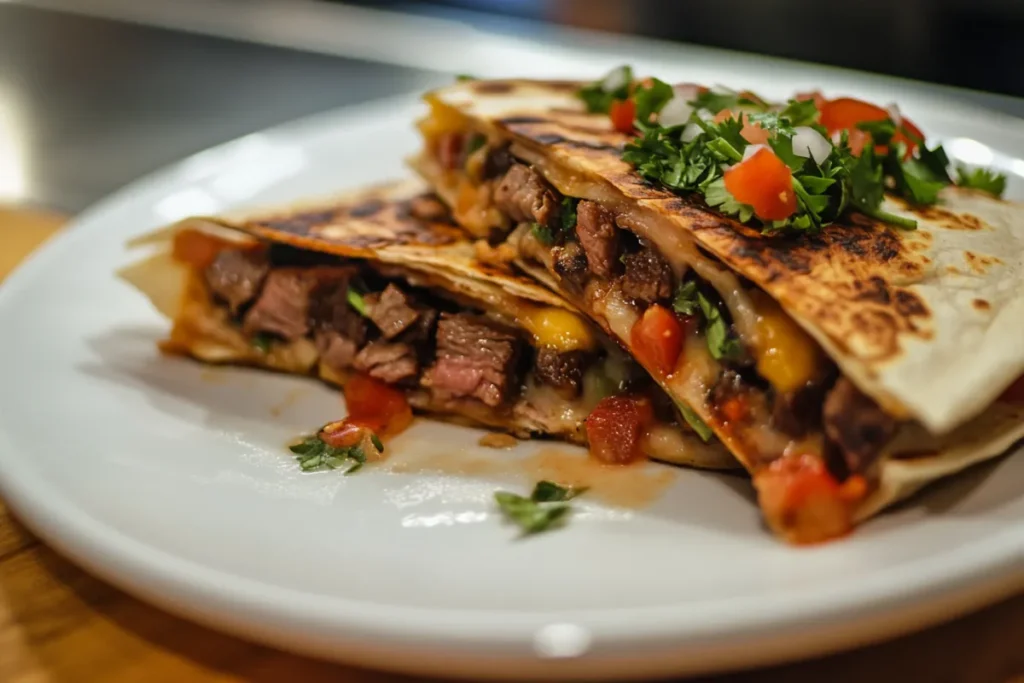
x,y
822,298
379,283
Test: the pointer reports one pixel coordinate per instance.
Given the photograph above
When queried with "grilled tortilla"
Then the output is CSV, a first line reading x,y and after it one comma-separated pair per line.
x,y
850,339
380,282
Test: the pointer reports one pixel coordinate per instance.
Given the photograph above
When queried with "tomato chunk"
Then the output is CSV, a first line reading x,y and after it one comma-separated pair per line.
x,y
616,426
1015,392
803,502
819,99
765,183
846,112
622,113
657,339
376,405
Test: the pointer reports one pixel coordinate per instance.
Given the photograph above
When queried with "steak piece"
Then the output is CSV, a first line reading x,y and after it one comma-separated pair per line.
x,y
421,332
856,424
525,196
391,311
499,161
598,236
235,276
570,263
648,277
562,370
329,309
475,358
797,412
283,306
390,363
336,351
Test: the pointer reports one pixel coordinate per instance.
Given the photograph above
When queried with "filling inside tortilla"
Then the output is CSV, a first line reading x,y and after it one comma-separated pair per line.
x,y
514,365
744,368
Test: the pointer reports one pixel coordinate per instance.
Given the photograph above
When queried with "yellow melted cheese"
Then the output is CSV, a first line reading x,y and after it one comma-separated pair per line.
x,y
558,329
786,355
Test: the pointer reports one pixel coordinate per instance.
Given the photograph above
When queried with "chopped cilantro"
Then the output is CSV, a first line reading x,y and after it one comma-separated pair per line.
x,y
981,179
598,97
693,419
465,77
722,343
569,205
261,341
313,453
475,142
650,99
685,301
356,301
543,234
544,509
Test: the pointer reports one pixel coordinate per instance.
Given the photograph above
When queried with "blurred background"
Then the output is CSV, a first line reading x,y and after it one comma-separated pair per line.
x,y
95,93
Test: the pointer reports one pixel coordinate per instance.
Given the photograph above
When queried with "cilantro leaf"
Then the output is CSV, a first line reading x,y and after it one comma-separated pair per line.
x,y
936,161
800,112
881,132
313,453
569,205
719,197
721,342
474,143
355,300
650,99
696,424
547,491
261,341
543,234
465,77
916,181
543,510
599,98
981,179
685,300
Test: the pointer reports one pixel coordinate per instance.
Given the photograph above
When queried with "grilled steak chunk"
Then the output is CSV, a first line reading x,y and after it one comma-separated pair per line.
x,y
329,309
498,161
648,277
475,359
598,236
391,311
390,363
336,351
283,306
235,276
525,196
797,412
421,332
856,424
563,371
570,263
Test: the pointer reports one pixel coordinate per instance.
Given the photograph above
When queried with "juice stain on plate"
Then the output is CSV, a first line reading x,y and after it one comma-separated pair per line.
x,y
289,399
213,375
628,486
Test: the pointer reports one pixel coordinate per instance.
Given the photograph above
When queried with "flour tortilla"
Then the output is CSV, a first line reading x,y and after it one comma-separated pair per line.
x,y
372,224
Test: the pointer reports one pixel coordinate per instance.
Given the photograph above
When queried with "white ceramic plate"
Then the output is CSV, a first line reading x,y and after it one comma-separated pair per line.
x,y
171,481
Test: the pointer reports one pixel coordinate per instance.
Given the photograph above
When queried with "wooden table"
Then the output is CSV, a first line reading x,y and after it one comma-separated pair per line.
x,y
58,623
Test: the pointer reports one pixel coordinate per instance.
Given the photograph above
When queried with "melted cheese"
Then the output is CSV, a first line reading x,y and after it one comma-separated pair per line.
x,y
786,355
558,328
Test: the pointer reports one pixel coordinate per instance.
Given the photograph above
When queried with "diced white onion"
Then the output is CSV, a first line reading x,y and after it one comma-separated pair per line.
x,y
676,112
686,91
691,131
751,150
810,143
705,115
894,113
616,78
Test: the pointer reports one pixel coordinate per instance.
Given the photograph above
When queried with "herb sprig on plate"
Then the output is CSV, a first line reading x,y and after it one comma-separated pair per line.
x,y
544,509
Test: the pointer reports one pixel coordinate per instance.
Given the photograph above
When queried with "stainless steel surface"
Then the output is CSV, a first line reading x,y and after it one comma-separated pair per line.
x,y
94,93
87,105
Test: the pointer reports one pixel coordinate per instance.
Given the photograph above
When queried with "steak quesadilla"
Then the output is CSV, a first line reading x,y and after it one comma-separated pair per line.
x,y
805,280
379,283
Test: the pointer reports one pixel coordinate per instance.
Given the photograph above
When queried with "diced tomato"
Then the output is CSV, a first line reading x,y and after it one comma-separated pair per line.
x,y
1015,392
657,339
622,113
376,405
765,183
803,502
343,434
196,248
616,426
846,112
819,99
736,408
751,132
